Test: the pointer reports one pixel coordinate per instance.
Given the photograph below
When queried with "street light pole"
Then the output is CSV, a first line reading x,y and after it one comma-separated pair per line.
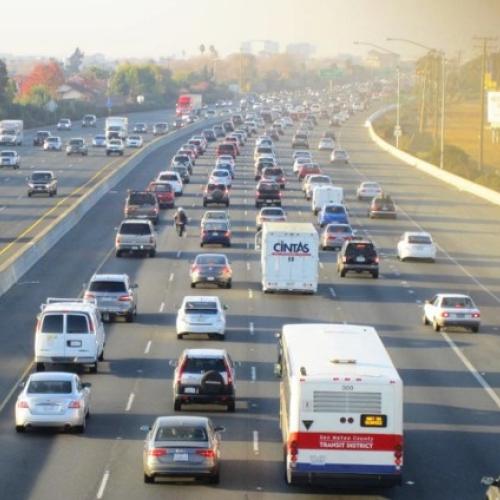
x,y
398,126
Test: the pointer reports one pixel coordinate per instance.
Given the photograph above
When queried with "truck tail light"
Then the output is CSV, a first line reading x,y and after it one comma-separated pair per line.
x,y
293,450
376,260
125,298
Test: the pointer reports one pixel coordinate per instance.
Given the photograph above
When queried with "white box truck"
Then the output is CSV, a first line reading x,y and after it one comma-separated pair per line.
x,y
289,257
11,132
116,127
324,195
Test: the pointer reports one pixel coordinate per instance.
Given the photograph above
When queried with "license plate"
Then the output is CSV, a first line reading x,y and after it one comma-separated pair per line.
x,y
385,209
459,315
210,278
135,248
215,233
181,457
190,390
360,258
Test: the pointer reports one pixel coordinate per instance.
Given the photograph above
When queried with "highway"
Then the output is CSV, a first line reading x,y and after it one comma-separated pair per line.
x,y
452,379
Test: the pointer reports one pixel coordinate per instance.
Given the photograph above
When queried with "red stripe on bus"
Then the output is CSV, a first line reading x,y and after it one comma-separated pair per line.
x,y
348,442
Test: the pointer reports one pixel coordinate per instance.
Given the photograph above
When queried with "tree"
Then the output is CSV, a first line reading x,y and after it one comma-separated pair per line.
x,y
74,61
213,52
50,75
202,49
38,96
4,84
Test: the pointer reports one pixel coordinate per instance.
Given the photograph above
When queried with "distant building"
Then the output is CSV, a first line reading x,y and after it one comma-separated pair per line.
x,y
381,60
257,47
301,49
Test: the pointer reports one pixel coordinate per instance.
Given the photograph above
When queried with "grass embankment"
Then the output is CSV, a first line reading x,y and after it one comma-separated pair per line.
x,y
461,151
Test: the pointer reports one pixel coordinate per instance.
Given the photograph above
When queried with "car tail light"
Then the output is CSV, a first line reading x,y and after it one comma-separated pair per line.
x,y
227,234
151,240
226,269
118,240
445,314
194,268
376,260
124,298
476,315
182,367
157,452
204,233
89,295
74,404
228,371
22,404
206,453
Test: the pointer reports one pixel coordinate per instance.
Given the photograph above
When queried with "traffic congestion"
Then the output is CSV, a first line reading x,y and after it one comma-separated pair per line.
x,y
227,258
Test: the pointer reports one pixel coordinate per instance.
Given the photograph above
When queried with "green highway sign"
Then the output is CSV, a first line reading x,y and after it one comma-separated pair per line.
x,y
330,73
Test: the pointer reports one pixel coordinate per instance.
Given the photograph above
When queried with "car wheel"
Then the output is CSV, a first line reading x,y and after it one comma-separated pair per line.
x,y
227,204
435,325
177,405
193,285
40,367
214,478
375,275
201,245
80,429
29,195
129,318
425,321
342,273
180,336
231,406
229,284
93,368
20,428
475,329
101,356
152,253
149,479
118,253
204,203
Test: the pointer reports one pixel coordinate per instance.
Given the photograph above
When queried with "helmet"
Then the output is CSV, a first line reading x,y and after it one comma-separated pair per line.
x,y
180,209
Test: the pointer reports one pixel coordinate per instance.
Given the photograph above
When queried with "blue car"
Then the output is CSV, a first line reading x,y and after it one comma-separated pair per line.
x,y
216,233
333,212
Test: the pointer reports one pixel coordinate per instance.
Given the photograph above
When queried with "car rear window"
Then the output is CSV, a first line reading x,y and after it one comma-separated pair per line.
x,y
215,226
365,249
187,433
275,212
141,199
273,171
7,154
268,187
203,365
334,210
168,177
50,387
52,323
211,260
339,229
419,240
136,228
76,323
457,302
108,286
322,179
163,188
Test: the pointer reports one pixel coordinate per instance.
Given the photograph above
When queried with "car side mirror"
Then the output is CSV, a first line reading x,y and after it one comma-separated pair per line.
x,y
225,307
86,385
145,428
220,428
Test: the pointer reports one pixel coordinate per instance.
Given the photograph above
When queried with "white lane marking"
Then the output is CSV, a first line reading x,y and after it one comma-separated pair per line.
x,y
300,212
179,253
2,208
248,266
20,197
248,228
332,292
411,291
253,372
130,401
148,347
15,387
246,212
248,244
251,328
491,393
171,277
162,306
250,293
321,265
102,487
256,442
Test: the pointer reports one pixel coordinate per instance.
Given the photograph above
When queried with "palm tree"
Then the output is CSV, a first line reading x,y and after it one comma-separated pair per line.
x,y
202,49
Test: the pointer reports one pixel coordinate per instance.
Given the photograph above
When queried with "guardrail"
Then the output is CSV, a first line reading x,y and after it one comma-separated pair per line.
x,y
20,263
430,169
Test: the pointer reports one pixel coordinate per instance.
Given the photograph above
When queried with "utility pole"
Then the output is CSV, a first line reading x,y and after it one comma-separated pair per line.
x,y
443,98
485,40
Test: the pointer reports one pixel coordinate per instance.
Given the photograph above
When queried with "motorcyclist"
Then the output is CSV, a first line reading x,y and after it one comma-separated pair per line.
x,y
180,220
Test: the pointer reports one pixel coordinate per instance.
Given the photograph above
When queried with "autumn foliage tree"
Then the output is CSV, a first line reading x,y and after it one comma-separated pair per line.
x,y
48,75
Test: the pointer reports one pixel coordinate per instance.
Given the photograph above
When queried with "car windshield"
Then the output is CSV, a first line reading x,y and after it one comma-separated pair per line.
x,y
203,365
211,260
419,240
188,433
49,387
457,302
136,228
168,177
76,142
141,199
8,154
267,186
52,139
313,180
108,286
41,177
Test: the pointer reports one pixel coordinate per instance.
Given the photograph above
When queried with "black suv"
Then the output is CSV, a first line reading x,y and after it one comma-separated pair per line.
x,y
40,137
267,193
216,194
358,255
204,376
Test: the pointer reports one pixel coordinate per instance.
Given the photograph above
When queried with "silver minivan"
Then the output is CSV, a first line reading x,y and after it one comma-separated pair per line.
x,y
69,331
136,236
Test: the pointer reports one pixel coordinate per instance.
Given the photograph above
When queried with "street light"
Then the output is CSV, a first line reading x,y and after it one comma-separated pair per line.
x,y
397,129
443,93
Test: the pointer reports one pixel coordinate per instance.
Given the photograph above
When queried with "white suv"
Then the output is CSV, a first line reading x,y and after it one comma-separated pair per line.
x,y
199,314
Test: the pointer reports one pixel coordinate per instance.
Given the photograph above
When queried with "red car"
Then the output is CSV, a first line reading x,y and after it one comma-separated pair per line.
x,y
234,140
308,168
164,192
226,148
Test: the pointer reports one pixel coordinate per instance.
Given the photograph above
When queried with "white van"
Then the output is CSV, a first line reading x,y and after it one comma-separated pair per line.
x,y
323,195
69,331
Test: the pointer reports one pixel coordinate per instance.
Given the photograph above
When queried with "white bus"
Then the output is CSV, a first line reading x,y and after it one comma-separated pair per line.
x,y
341,406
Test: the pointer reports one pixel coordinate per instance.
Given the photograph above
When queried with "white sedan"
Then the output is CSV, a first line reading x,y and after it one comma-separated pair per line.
x,y
416,245
326,144
451,309
199,314
368,190
53,399
220,176
52,143
173,178
134,141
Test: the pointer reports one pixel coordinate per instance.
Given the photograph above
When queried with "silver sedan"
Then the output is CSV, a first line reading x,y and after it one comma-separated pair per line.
x,y
182,446
53,399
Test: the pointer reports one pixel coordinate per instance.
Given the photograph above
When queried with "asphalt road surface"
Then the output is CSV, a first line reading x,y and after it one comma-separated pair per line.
x,y
452,379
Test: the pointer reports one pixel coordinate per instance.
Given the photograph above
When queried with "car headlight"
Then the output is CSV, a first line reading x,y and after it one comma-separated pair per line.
x,y
31,185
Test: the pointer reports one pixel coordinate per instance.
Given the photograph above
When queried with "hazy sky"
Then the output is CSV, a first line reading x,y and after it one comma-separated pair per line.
x,y
153,28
